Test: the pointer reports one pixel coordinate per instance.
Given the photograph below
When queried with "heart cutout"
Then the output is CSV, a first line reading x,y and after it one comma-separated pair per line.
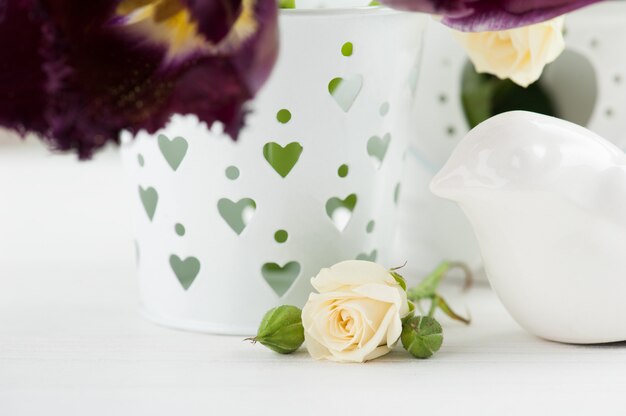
x,y
237,214
186,270
282,159
149,198
377,148
340,210
368,257
174,151
345,91
280,278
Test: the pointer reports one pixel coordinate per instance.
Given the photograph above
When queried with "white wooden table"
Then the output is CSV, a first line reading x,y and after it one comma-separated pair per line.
x,y
72,343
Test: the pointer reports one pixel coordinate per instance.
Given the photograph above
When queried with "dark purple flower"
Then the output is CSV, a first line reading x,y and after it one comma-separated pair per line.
x,y
491,15
79,72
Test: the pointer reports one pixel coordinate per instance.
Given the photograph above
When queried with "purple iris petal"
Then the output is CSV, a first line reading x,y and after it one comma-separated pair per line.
x,y
78,77
491,15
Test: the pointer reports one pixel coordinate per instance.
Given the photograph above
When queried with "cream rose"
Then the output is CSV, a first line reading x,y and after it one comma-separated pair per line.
x,y
357,314
519,54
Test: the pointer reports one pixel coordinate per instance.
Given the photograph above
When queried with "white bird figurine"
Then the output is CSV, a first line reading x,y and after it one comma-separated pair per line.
x,y
547,200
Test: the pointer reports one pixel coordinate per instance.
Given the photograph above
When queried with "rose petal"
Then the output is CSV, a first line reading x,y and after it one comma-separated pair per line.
x,y
310,315
371,312
519,54
392,295
394,331
315,349
375,347
350,273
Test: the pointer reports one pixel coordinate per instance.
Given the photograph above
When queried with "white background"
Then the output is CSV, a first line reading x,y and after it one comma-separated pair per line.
x,y
71,342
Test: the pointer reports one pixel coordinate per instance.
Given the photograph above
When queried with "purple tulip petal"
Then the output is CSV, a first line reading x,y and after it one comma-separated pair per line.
x,y
83,73
456,8
21,74
491,15
509,14
239,77
215,18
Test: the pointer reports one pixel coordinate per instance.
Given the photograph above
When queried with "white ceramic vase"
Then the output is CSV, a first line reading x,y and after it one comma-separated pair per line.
x,y
588,84
227,230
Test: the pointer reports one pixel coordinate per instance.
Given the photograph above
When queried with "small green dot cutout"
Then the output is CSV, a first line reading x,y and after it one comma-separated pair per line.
x,y
281,236
232,172
141,160
283,116
343,171
347,49
370,226
384,109
180,229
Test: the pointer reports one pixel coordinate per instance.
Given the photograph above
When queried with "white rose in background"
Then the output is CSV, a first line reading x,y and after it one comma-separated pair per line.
x,y
357,314
518,54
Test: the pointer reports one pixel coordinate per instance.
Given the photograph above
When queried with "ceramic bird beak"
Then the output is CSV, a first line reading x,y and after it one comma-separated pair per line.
x,y
471,168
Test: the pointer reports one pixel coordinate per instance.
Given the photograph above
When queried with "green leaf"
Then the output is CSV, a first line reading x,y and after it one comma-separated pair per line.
x,y
483,96
476,94
281,330
445,308
427,289
422,336
399,279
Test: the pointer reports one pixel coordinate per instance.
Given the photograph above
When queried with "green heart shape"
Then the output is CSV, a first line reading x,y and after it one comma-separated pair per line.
x,y
345,91
282,159
280,278
149,198
173,151
340,210
377,148
368,257
233,212
186,270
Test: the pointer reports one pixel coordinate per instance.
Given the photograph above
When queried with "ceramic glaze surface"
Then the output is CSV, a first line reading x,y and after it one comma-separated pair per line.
x,y
547,200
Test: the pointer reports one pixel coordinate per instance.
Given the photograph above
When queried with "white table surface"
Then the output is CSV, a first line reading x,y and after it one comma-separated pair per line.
x,y
72,343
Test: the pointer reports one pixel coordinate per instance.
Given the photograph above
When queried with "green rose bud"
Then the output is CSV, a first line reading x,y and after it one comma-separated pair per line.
x,y
421,336
281,330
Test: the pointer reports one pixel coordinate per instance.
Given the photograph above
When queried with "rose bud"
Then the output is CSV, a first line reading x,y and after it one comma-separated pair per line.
x,y
281,330
421,336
